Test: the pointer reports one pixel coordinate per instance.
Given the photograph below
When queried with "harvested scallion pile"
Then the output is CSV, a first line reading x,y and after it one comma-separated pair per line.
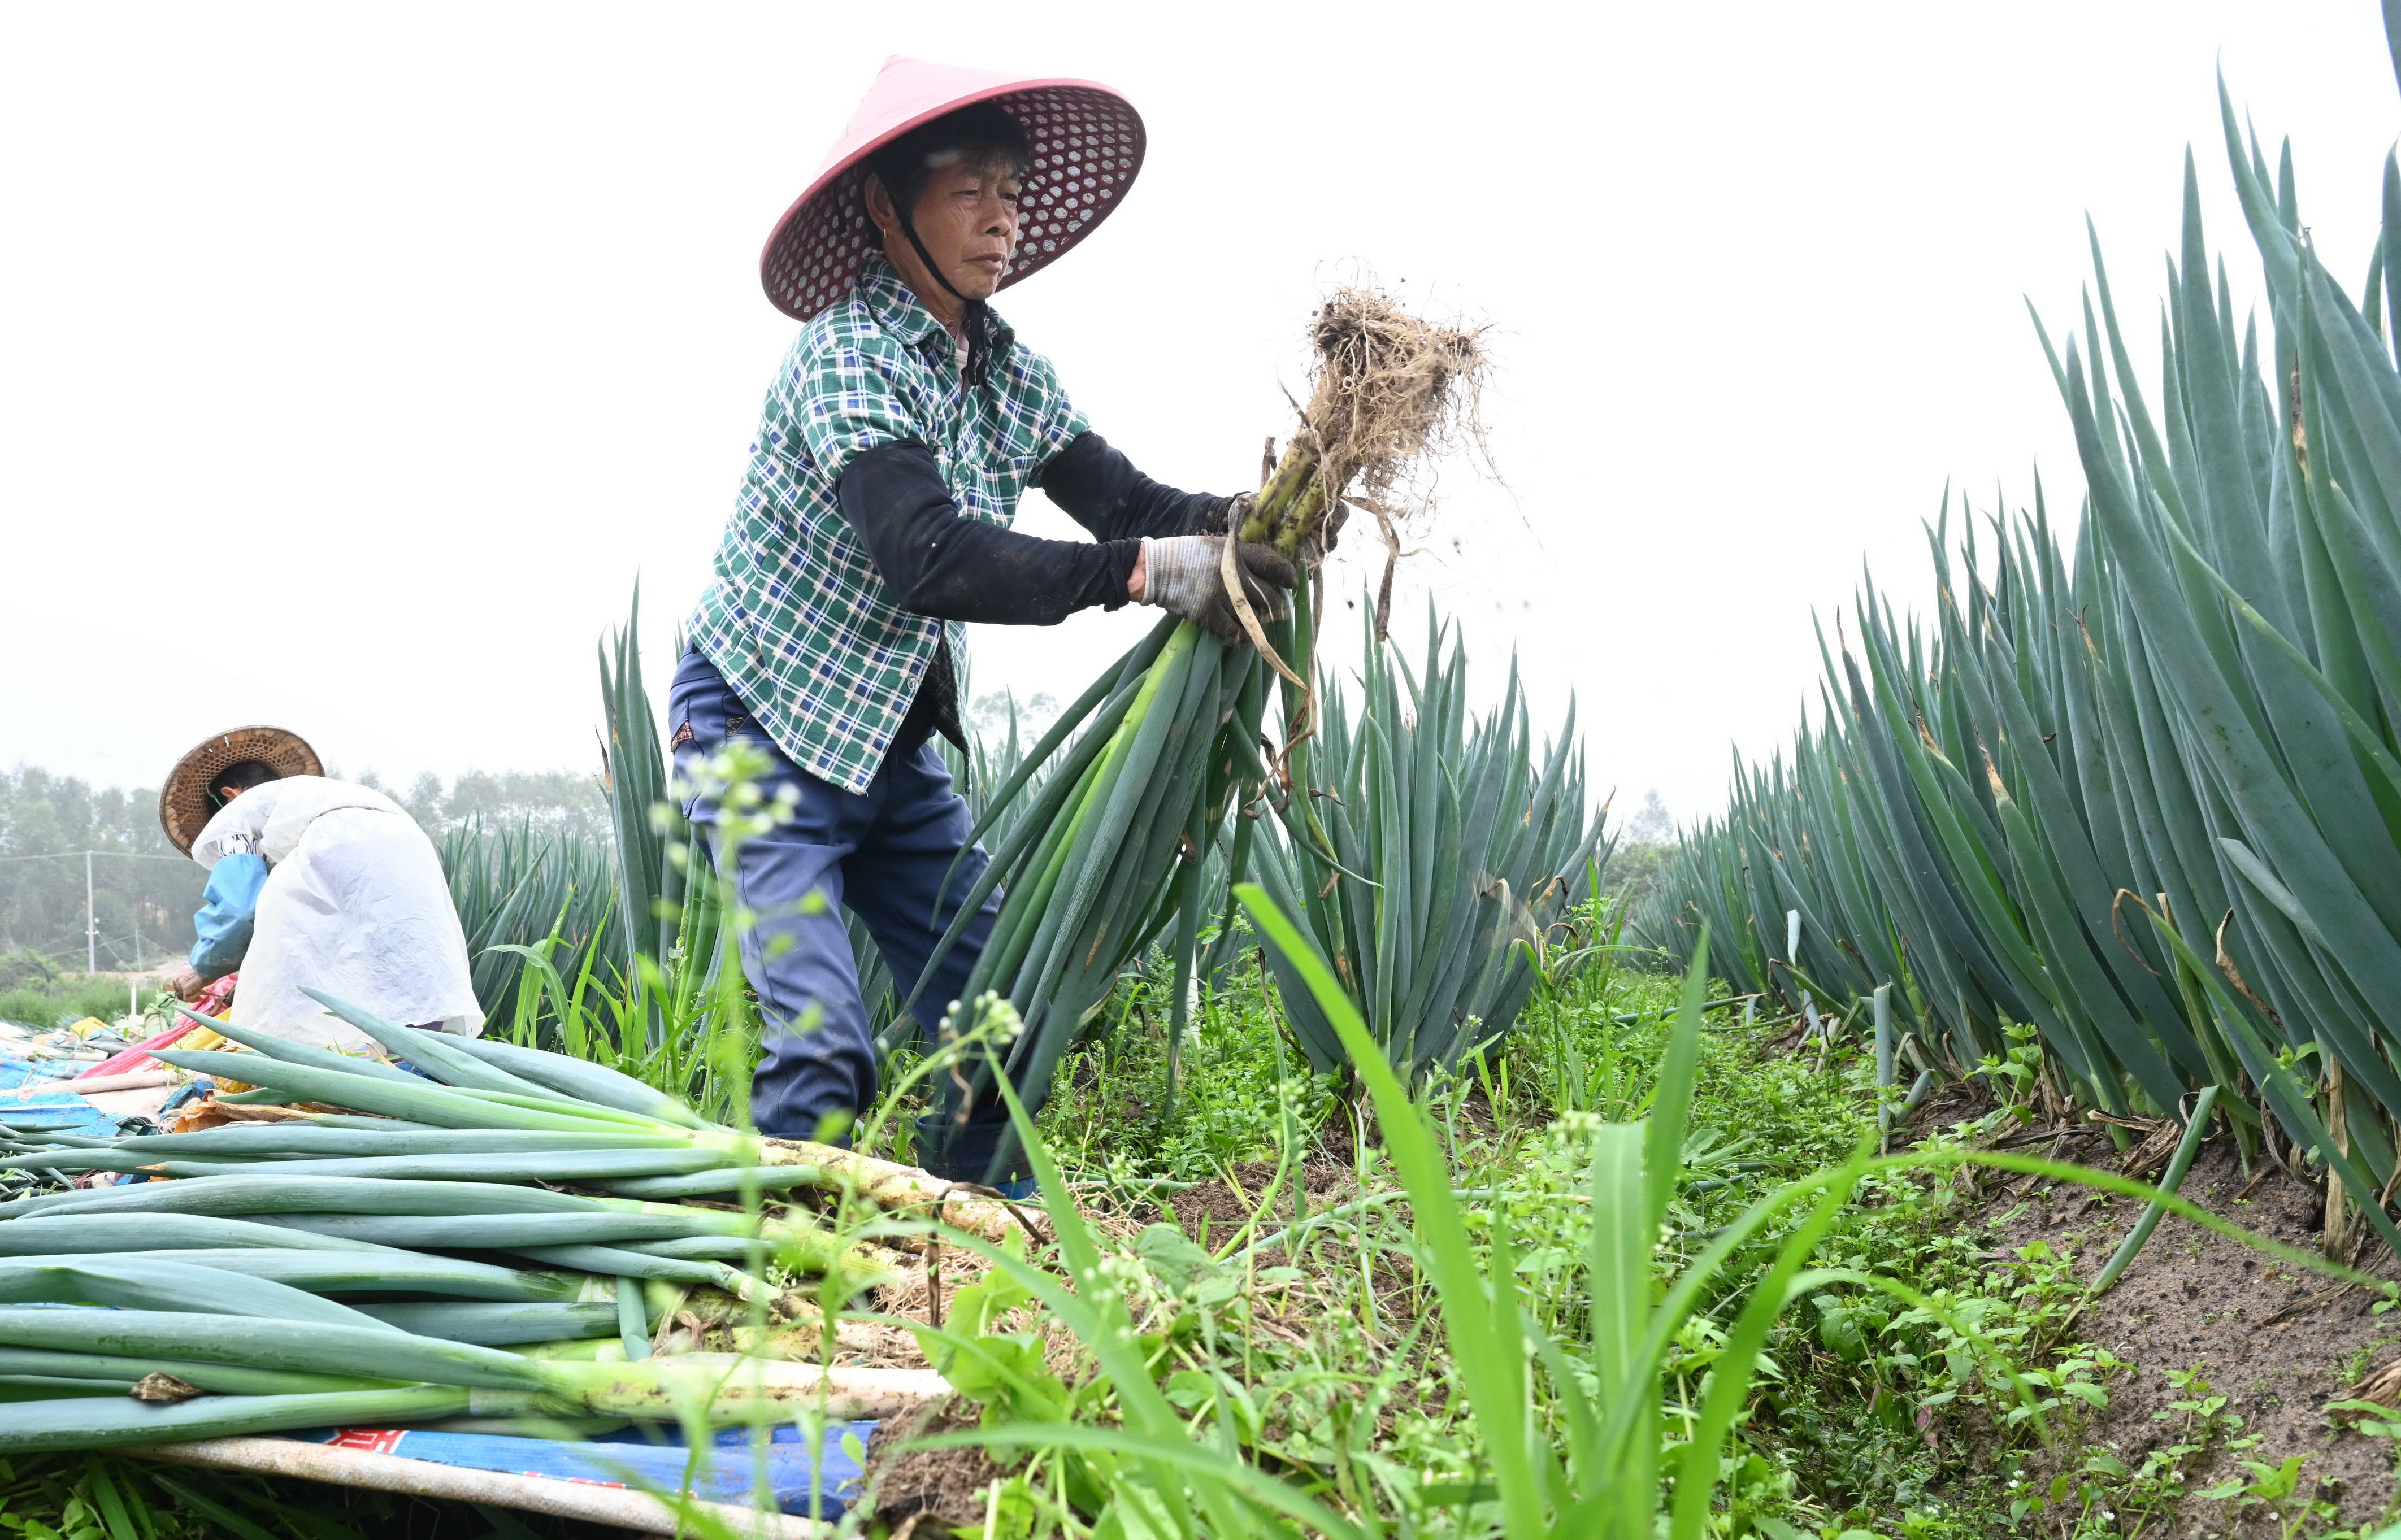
x,y
292,1274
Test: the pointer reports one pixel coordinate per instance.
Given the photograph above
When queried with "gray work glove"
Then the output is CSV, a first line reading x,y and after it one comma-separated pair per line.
x,y
1182,575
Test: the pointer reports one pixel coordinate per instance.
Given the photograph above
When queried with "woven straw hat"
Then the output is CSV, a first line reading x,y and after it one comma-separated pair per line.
x,y
1087,143
183,808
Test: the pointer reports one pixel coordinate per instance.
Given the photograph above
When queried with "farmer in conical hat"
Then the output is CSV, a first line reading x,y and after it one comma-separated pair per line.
x,y
312,881
899,434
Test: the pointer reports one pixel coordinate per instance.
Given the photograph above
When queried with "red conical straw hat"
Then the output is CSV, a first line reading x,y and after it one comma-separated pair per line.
x,y
1087,141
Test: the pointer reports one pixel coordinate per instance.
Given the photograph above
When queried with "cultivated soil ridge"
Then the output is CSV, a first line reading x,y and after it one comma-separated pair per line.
x,y
2278,1340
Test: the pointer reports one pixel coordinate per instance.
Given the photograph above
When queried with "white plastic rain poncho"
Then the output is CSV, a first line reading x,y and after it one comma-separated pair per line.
x,y
354,904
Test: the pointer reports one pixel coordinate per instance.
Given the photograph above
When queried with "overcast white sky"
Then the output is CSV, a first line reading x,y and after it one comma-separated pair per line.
x,y
355,360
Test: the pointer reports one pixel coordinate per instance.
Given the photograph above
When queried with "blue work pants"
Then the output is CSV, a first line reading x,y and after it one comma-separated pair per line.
x,y
885,854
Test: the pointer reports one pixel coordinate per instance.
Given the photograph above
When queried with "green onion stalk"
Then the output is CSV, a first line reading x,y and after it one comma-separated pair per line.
x,y
1111,847
65,1373
492,1113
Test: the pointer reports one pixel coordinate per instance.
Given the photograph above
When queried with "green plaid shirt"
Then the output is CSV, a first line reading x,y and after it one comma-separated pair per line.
x,y
796,617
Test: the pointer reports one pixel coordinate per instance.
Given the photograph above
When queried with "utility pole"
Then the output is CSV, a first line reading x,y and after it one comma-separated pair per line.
x,y
91,922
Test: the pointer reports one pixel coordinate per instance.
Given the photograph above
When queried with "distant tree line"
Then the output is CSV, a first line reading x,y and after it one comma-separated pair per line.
x,y
550,801
1644,843
142,891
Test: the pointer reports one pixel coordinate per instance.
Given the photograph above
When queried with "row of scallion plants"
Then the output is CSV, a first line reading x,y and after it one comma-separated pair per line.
x,y
514,884
2143,794
1434,844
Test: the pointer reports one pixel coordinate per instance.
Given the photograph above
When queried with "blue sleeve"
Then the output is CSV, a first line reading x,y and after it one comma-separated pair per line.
x,y
228,911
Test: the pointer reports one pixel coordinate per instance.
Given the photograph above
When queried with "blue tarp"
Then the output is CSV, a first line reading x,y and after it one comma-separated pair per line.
x,y
53,1111
632,1459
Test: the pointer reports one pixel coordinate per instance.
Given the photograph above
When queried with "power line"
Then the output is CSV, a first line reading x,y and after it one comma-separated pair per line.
x,y
91,937
117,953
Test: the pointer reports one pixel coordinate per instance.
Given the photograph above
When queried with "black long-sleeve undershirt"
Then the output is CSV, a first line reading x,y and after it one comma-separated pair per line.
x,y
1101,489
937,561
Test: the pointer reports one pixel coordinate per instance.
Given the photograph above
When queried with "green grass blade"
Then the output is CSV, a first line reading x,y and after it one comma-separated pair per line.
x,y
1671,1100
1482,1328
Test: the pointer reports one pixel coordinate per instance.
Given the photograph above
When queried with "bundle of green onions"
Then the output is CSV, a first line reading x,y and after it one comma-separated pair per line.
x,y
205,1304
1111,847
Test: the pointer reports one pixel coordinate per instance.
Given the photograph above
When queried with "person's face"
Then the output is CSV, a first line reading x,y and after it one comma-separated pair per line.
x,y
966,216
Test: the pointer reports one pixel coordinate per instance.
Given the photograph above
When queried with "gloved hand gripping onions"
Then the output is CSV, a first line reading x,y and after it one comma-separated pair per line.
x,y
1111,848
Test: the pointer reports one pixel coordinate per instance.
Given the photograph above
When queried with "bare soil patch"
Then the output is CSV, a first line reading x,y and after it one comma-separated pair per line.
x,y
2278,1340
1212,1211
927,1492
